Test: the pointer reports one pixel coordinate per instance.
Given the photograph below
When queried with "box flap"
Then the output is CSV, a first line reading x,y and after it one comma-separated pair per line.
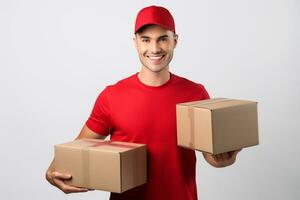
x,y
101,145
217,103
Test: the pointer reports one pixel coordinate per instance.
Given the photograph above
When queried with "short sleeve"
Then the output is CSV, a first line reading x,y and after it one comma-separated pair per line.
x,y
99,120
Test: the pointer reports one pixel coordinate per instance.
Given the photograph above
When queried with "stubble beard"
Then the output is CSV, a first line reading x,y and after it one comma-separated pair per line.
x,y
145,64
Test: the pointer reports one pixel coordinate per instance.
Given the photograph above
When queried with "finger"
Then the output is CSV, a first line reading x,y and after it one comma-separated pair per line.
x,y
230,153
225,156
68,188
62,175
221,158
235,153
232,157
216,157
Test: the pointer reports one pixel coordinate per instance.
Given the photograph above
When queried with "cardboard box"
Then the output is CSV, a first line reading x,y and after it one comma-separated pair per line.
x,y
217,125
103,165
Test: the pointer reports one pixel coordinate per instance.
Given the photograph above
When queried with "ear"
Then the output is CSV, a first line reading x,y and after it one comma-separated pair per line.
x,y
175,39
135,41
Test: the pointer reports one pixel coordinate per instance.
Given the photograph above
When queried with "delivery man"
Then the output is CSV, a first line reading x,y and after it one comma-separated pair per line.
x,y
142,109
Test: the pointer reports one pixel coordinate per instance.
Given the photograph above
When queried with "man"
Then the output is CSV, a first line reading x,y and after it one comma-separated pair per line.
x,y
142,108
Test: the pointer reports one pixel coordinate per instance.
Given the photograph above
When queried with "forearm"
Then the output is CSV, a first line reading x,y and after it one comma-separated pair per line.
x,y
88,133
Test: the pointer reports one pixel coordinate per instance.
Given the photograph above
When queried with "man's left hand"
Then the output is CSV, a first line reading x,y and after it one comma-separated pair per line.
x,y
222,159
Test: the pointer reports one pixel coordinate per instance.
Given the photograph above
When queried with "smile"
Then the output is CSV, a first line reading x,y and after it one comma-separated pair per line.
x,y
155,57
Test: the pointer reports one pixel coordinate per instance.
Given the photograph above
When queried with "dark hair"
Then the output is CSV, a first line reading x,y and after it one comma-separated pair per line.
x,y
140,30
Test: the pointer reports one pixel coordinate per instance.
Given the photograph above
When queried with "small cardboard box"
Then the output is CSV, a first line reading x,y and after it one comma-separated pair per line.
x,y
103,165
217,125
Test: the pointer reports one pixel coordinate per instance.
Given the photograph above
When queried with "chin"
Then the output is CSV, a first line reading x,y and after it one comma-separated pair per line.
x,y
156,69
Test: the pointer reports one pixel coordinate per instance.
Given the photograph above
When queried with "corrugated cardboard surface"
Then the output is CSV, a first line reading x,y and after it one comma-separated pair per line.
x,y
104,165
217,125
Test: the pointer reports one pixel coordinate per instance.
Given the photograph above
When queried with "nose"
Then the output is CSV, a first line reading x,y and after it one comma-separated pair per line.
x,y
155,48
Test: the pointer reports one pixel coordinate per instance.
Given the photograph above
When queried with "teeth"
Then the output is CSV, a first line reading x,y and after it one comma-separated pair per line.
x,y
155,57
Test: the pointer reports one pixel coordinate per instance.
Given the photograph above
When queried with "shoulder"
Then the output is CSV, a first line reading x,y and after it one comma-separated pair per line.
x,y
121,85
185,82
191,88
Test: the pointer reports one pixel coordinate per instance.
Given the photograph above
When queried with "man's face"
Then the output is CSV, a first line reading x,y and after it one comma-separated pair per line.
x,y
155,46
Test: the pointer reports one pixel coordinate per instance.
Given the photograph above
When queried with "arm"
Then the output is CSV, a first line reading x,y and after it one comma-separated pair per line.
x,y
222,159
57,179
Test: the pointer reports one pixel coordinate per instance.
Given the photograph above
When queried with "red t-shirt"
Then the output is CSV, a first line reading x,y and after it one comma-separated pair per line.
x,y
134,112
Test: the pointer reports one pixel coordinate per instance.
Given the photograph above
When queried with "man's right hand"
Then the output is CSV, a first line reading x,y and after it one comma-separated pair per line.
x,y
58,180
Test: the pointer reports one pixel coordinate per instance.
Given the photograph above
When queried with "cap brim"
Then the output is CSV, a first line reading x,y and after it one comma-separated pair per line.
x,y
153,23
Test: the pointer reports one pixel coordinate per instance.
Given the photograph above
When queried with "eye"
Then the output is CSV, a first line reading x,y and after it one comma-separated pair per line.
x,y
145,40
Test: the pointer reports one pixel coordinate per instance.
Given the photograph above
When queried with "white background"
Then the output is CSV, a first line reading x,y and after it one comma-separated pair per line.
x,y
56,56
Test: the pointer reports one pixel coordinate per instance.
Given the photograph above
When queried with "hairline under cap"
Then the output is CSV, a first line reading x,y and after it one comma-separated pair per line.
x,y
141,29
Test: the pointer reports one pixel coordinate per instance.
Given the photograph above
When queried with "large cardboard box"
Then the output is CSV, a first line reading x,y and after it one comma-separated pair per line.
x,y
217,125
103,165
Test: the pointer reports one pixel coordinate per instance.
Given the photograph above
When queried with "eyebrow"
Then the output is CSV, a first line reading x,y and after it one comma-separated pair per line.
x,y
160,37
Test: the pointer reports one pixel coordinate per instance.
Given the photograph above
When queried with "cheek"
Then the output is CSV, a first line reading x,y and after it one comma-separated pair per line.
x,y
170,50
168,47
142,49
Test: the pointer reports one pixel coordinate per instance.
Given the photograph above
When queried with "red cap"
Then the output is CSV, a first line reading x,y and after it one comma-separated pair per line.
x,y
154,15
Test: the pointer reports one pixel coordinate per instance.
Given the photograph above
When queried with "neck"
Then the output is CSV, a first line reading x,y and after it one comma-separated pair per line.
x,y
151,78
